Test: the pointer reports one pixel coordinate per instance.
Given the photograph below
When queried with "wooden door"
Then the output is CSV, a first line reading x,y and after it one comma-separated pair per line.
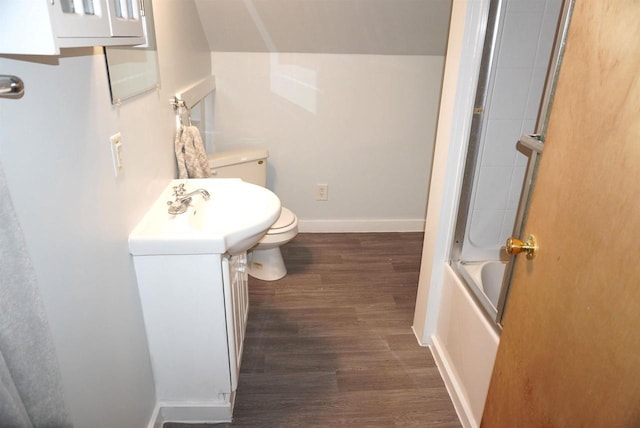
x,y
569,355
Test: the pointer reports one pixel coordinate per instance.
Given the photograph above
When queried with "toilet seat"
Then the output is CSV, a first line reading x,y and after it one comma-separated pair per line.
x,y
285,222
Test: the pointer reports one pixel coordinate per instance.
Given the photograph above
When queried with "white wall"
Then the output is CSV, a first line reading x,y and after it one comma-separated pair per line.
x,y
446,317
364,124
464,50
76,216
396,27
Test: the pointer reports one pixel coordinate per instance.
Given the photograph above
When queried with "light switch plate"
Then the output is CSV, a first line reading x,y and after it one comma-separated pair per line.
x,y
116,153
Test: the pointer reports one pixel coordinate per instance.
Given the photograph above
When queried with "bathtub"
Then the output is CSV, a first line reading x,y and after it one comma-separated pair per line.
x,y
486,277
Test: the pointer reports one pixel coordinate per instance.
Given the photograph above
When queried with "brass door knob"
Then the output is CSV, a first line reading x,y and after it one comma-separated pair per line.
x,y
516,246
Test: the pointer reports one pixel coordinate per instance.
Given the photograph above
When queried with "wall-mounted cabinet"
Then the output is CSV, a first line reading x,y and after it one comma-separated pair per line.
x,y
45,26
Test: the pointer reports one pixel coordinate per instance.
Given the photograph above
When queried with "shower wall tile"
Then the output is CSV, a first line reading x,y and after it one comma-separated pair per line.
x,y
499,142
528,126
548,30
486,226
508,220
510,93
522,158
493,187
536,89
523,29
515,187
526,5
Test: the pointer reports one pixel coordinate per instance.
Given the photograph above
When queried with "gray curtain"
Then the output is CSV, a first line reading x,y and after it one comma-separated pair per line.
x,y
31,392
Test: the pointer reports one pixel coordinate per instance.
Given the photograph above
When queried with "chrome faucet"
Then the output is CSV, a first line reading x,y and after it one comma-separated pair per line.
x,y
203,192
183,199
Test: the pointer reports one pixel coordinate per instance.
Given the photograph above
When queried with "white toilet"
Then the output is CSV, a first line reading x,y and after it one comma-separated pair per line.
x,y
250,165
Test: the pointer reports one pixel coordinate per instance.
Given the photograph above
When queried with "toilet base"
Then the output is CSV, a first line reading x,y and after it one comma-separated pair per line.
x,y
266,265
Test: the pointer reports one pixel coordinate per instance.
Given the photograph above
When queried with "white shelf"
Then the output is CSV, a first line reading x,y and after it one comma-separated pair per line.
x,y
196,92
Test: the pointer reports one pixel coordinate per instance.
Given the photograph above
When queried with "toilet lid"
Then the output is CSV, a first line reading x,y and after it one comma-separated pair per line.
x,y
286,218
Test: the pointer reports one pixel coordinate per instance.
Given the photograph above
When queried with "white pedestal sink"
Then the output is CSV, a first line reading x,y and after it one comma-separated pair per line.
x,y
191,271
233,220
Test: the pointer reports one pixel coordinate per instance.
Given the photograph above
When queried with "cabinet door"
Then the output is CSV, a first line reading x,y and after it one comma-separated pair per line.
x,y
236,296
125,18
97,18
80,18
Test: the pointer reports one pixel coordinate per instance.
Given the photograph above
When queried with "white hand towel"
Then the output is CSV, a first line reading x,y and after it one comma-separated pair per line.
x,y
190,154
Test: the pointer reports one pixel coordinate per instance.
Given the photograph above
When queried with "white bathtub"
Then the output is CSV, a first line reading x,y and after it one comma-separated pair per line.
x,y
487,277
463,329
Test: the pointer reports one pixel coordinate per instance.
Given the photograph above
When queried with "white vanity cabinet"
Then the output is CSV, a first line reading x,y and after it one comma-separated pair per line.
x,y
195,310
194,294
42,27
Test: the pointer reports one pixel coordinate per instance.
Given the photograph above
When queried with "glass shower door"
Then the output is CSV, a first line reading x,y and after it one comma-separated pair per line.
x,y
533,145
510,102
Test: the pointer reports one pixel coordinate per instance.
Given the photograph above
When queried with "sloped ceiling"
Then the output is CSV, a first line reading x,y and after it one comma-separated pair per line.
x,y
397,27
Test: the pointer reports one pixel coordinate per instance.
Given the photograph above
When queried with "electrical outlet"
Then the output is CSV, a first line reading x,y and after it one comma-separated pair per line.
x,y
322,192
116,153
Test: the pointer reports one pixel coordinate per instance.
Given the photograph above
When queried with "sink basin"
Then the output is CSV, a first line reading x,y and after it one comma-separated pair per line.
x,y
233,220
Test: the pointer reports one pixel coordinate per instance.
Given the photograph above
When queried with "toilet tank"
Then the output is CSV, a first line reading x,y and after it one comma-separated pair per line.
x,y
250,165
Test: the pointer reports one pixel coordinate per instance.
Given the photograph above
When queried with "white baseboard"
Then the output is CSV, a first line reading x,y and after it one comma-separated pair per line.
x,y
454,388
347,226
155,421
191,412
450,382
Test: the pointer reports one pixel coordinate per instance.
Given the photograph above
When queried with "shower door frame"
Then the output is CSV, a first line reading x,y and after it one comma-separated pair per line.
x,y
496,10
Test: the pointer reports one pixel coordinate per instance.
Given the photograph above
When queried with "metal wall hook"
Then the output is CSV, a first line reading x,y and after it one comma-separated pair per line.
x,y
181,107
11,86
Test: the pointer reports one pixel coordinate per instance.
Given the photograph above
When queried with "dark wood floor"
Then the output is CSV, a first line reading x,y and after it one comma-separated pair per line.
x,y
331,343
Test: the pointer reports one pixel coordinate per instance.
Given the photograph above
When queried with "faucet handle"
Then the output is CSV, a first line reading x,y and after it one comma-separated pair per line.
x,y
178,190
